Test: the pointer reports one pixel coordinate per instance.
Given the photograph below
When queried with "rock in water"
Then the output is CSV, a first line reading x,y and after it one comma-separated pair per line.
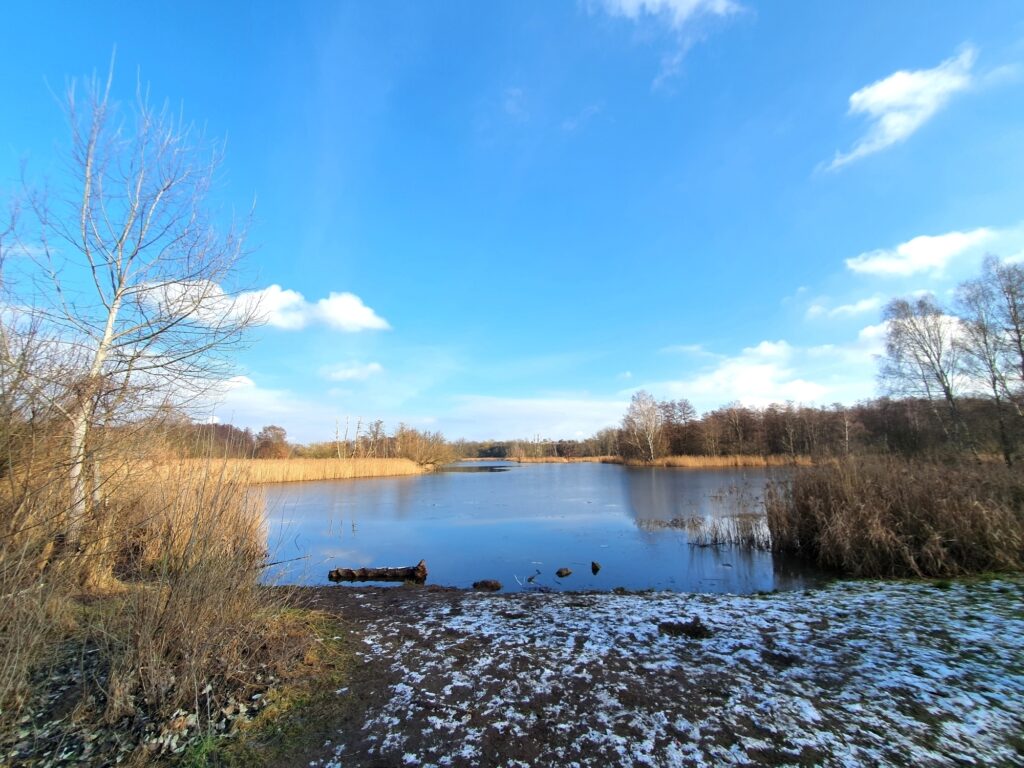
x,y
487,585
595,567
563,572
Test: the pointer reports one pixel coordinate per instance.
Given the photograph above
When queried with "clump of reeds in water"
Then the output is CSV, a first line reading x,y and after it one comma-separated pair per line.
x,y
745,531
890,517
748,531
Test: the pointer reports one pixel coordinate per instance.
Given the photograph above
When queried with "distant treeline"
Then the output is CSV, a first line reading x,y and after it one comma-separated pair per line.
x,y
652,429
885,425
372,441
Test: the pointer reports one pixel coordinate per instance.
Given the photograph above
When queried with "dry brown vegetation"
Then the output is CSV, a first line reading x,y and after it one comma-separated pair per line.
x,y
161,612
890,517
681,462
567,460
257,471
732,460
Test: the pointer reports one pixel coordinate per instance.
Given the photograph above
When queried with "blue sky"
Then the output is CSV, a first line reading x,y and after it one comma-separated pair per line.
x,y
500,219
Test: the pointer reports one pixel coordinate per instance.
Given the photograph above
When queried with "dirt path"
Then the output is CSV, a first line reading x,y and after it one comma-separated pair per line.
x,y
860,673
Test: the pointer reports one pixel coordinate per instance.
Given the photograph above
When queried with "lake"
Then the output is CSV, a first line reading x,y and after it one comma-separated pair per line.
x,y
514,523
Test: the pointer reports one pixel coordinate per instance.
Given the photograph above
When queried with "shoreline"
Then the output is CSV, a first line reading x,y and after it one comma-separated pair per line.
x,y
671,462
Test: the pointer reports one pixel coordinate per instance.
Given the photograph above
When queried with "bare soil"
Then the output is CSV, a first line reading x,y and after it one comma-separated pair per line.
x,y
858,673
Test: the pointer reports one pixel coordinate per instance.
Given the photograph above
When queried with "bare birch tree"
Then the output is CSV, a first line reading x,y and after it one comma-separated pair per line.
x,y
923,359
643,425
133,271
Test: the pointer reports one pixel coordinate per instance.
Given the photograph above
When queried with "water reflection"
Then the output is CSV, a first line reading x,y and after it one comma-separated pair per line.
x,y
507,525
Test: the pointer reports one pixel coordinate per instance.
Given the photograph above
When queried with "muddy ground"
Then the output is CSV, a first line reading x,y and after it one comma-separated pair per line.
x,y
857,673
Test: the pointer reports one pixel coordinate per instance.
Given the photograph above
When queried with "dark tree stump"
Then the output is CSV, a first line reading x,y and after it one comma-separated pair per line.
x,y
414,573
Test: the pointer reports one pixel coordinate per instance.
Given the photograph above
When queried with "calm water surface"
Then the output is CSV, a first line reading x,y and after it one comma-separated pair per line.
x,y
528,520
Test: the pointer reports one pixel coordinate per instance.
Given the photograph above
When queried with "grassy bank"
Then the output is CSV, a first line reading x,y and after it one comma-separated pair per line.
x,y
258,471
889,517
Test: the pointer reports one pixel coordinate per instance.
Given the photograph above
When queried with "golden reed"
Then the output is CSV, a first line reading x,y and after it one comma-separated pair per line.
x,y
258,471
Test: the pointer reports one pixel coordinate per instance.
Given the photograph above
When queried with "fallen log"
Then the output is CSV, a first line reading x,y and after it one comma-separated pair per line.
x,y
415,573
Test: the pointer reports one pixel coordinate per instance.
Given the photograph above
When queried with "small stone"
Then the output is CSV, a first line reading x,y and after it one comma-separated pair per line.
x,y
694,629
487,585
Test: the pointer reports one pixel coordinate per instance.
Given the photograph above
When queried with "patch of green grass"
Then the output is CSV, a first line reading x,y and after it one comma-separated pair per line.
x,y
200,753
298,716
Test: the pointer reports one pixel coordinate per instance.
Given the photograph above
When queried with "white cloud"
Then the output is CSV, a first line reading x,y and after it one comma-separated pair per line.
x,y
757,376
925,253
674,12
241,401
280,307
777,371
904,101
347,312
289,310
820,308
353,371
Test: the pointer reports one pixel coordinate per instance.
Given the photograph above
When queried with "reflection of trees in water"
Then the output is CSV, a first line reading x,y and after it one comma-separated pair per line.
x,y
719,520
665,494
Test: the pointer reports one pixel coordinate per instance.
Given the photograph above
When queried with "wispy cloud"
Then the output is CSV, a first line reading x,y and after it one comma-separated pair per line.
x,y
901,103
352,371
687,349
581,118
513,104
675,13
925,253
820,308
678,17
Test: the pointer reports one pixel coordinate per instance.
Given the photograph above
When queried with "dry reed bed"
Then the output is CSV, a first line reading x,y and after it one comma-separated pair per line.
x,y
566,460
258,471
887,517
731,460
680,462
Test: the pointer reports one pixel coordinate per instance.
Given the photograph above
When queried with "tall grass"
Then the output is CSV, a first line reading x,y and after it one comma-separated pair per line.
x,y
258,471
164,600
888,517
